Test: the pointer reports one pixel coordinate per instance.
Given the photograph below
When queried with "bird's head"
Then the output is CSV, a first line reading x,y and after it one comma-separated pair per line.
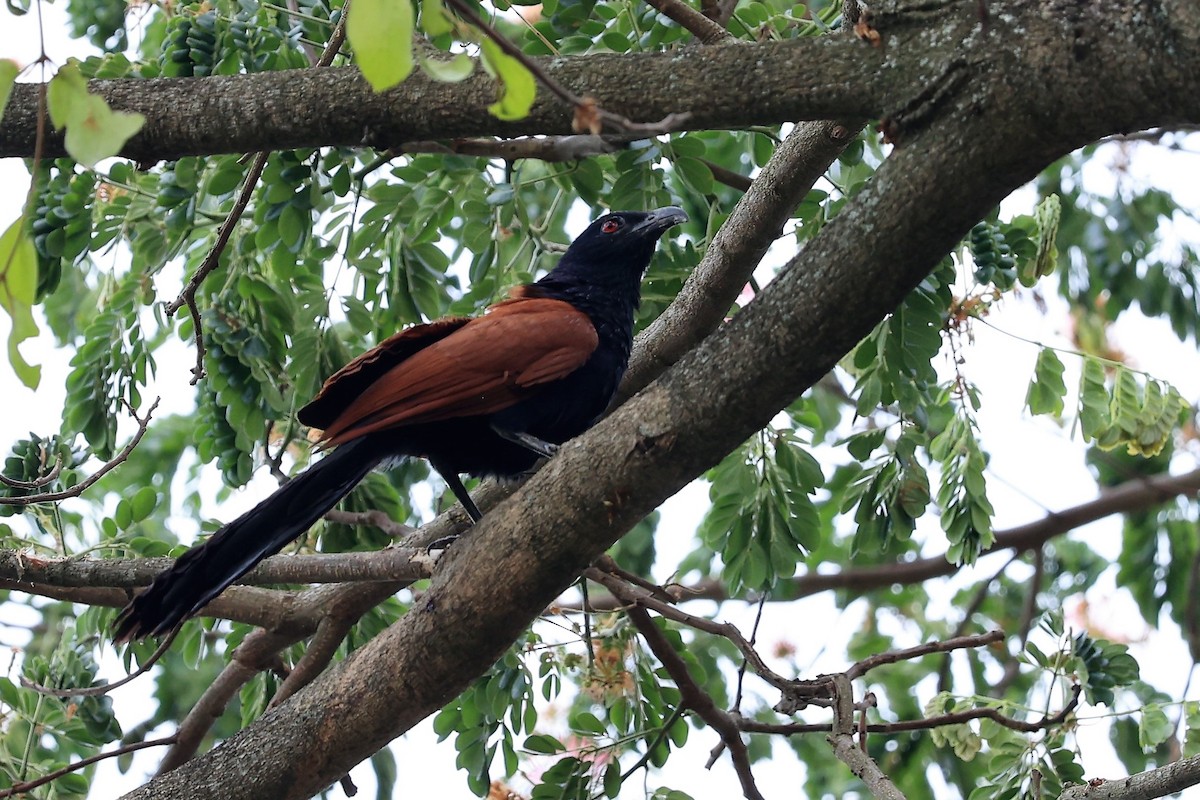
x,y
617,247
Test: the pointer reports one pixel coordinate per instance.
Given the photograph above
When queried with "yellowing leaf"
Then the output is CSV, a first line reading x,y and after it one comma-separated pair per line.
x,y
519,87
8,75
94,131
18,286
450,70
381,33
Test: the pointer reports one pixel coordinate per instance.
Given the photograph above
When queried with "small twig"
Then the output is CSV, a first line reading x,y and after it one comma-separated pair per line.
x,y
869,701
95,691
36,483
609,565
585,107
926,723
336,39
274,462
752,641
691,20
819,691
957,643
636,596
696,699
83,486
374,519
587,624
1028,612
841,738
662,734
734,180
21,788
968,616
212,260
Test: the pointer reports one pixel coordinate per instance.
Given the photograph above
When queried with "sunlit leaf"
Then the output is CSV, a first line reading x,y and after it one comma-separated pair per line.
x,y
518,87
93,130
1047,389
8,75
18,287
434,19
381,31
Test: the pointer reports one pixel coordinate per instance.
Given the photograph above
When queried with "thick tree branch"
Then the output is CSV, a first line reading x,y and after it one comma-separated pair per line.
x,y
1166,780
28,573
718,87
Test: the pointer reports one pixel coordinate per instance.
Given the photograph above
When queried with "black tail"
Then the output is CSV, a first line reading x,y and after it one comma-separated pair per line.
x,y
205,571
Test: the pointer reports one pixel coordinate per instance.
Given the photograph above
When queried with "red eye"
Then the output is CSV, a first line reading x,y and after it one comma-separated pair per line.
x,y
610,226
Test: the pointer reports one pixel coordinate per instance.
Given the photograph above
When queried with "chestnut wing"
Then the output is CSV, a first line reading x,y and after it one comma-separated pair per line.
x,y
483,366
341,389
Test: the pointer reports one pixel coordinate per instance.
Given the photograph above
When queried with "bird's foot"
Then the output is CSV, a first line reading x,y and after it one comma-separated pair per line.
x,y
528,441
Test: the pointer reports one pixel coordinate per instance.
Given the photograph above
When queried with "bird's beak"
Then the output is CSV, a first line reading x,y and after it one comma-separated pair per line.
x,y
660,219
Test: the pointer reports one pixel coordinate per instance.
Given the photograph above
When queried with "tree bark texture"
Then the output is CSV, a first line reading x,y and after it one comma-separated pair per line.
x,y
930,54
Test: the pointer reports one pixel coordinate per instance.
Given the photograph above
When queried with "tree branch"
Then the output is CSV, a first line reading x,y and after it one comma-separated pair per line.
x,y
717,87
87,483
28,573
28,786
841,739
697,699
700,26
753,226
1160,782
1134,495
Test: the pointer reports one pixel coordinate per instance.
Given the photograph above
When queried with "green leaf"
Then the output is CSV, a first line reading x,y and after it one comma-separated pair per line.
x,y
435,21
143,503
519,87
1047,390
1191,743
94,131
1154,727
1093,399
8,75
541,743
458,67
696,173
18,288
1048,213
381,33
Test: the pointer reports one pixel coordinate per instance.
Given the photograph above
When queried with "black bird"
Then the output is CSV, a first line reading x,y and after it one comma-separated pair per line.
x,y
486,396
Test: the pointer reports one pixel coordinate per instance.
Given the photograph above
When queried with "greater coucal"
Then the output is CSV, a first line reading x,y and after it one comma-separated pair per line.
x,y
486,396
